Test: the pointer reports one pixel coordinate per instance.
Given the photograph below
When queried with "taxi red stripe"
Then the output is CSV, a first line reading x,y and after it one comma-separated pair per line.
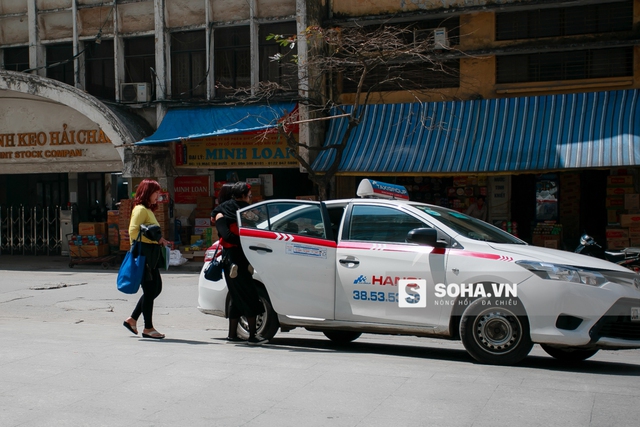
x,y
461,252
384,247
272,235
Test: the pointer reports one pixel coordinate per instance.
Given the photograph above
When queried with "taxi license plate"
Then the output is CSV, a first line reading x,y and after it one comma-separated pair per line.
x,y
635,314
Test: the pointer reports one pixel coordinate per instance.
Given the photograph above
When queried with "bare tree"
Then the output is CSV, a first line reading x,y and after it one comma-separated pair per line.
x,y
363,61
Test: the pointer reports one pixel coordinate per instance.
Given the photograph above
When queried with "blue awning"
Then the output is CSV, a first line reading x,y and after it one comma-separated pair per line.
x,y
192,123
538,133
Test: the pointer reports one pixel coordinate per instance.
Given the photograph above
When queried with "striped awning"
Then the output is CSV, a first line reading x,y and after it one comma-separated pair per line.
x,y
538,133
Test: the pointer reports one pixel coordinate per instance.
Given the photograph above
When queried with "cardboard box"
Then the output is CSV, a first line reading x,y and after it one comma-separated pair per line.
x,y
634,232
618,191
543,239
632,201
204,202
203,222
199,230
113,217
210,235
630,220
617,243
256,190
617,233
620,180
614,202
92,228
89,251
612,216
206,213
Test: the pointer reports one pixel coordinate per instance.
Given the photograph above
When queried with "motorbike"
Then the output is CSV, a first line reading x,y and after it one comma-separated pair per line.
x,y
627,257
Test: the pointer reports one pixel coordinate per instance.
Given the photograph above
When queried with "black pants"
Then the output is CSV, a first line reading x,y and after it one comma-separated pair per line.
x,y
151,285
245,300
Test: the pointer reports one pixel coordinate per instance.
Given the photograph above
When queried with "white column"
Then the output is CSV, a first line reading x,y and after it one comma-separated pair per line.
x,y
36,50
254,46
163,88
118,52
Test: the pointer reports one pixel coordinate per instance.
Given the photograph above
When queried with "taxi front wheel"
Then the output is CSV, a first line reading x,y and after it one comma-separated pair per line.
x,y
496,331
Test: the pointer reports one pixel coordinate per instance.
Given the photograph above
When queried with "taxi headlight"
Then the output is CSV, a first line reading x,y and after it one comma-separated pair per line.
x,y
563,273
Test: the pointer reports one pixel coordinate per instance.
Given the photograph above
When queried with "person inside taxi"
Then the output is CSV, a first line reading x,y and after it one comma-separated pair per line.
x,y
478,209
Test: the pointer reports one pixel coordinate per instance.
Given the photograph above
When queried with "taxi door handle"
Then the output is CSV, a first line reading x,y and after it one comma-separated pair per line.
x,y
260,248
349,262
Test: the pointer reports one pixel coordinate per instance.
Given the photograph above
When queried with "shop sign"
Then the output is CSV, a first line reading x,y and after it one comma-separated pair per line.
x,y
251,150
65,144
500,194
187,189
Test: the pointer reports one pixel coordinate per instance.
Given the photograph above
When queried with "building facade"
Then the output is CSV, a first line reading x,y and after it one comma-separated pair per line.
x,y
540,117
85,83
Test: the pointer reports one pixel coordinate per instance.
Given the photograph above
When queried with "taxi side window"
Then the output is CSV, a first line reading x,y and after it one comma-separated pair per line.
x,y
381,224
293,218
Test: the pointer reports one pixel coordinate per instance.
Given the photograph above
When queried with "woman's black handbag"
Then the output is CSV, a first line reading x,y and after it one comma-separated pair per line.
x,y
213,271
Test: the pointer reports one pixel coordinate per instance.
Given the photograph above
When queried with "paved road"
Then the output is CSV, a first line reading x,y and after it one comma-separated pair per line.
x,y
66,360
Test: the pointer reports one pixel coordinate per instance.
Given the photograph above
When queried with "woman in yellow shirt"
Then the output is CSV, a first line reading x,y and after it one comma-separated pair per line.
x,y
146,202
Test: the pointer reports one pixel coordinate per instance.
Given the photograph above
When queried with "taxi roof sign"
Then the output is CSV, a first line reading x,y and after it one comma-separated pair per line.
x,y
381,190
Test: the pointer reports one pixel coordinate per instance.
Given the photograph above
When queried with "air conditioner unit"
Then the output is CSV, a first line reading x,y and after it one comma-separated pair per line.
x,y
436,36
135,92
440,38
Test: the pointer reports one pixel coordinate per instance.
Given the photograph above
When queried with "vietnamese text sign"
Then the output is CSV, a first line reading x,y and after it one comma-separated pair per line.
x,y
41,145
233,151
188,188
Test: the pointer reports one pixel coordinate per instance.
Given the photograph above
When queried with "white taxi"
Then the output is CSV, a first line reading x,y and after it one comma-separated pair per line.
x,y
392,266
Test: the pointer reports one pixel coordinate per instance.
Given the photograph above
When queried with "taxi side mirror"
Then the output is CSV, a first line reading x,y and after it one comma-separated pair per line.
x,y
423,236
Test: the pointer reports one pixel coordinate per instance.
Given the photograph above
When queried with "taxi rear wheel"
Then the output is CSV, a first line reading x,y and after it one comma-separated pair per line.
x,y
568,354
342,337
267,324
494,332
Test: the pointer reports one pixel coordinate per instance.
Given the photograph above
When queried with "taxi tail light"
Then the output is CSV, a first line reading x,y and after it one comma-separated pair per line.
x,y
208,254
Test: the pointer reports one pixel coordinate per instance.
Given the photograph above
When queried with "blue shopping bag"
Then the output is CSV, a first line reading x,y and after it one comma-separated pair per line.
x,y
132,269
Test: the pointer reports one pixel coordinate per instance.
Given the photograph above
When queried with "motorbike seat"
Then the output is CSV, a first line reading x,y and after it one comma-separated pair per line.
x,y
615,256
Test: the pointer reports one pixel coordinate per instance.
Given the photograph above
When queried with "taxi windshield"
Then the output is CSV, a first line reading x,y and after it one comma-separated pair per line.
x,y
467,226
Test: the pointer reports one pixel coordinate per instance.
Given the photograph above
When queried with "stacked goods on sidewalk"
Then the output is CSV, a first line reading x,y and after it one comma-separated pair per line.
x,y
124,217
162,215
113,231
203,232
623,212
569,208
91,240
547,234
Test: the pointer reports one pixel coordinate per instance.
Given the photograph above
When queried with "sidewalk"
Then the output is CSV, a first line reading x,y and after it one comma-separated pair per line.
x,y
61,263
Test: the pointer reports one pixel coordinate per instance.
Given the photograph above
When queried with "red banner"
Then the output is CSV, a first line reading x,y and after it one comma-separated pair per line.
x,y
188,188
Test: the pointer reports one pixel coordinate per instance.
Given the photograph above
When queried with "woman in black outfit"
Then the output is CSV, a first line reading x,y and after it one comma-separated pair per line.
x,y
245,300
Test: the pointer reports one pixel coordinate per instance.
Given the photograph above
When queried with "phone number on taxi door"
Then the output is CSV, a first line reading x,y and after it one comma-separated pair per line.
x,y
375,296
